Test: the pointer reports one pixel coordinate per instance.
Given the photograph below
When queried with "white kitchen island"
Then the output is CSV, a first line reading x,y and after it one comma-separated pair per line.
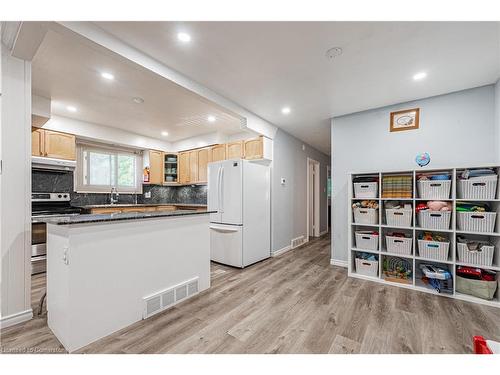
x,y
105,272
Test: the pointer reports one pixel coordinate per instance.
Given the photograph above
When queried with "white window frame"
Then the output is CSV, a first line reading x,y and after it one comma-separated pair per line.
x,y
79,178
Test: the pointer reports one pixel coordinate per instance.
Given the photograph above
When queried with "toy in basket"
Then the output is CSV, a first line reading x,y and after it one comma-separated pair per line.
x,y
475,217
476,282
366,240
433,246
477,184
434,214
397,270
437,278
398,214
365,212
475,252
398,243
365,187
367,264
434,186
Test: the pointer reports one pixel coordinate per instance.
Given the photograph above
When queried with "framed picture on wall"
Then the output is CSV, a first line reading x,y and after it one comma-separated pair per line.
x,y
407,119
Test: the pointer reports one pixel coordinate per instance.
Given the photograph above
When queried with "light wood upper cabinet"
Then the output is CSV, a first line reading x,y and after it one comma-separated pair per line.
x,y
60,145
155,167
204,158
193,166
183,167
37,142
254,148
218,152
51,144
235,150
259,148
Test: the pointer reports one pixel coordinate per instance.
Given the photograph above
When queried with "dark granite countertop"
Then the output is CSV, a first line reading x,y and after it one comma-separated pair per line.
x,y
98,218
119,205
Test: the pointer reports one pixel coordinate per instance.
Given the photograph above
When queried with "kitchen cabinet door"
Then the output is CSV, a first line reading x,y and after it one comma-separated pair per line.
x,y
254,148
183,167
219,152
193,166
155,167
234,150
37,142
203,160
60,145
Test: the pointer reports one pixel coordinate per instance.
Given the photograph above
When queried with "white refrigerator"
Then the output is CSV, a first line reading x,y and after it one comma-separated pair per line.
x,y
240,229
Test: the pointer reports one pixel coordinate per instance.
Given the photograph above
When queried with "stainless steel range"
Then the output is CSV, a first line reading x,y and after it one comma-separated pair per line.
x,y
45,205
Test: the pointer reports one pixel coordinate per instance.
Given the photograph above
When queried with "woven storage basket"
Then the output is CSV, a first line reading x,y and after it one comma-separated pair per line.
x,y
398,217
365,189
366,241
434,189
434,250
476,189
434,219
476,221
365,215
367,267
481,257
398,245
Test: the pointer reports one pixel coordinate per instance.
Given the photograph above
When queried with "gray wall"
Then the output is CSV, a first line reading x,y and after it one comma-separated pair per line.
x,y
456,129
289,202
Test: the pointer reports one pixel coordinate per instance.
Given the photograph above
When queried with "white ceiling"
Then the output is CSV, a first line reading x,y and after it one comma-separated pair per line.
x,y
264,66
69,72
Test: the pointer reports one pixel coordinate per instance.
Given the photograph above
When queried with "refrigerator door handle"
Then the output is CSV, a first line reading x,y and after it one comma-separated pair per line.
x,y
222,190
218,189
223,229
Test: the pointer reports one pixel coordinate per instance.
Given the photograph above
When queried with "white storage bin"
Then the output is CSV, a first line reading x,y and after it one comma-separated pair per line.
x,y
477,188
434,250
367,267
434,219
398,217
366,241
476,221
434,189
365,215
365,189
480,257
398,245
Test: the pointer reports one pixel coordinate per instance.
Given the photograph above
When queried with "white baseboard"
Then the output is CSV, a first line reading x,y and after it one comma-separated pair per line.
x,y
10,320
281,251
322,233
340,263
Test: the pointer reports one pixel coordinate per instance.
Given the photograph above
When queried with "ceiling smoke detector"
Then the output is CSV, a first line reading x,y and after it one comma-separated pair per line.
x,y
138,100
333,52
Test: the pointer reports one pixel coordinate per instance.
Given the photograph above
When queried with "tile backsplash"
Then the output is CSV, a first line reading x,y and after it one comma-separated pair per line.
x,y
48,181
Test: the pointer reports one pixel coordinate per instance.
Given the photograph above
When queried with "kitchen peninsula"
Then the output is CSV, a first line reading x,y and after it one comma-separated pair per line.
x,y
107,271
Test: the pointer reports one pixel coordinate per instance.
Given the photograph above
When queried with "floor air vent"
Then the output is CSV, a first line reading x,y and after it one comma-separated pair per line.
x,y
296,242
164,299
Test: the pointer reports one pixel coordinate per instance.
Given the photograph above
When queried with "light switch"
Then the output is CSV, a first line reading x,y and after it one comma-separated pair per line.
x,y
147,194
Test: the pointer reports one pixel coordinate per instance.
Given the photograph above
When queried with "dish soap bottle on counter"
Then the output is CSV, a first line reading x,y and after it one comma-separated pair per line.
x,y
145,177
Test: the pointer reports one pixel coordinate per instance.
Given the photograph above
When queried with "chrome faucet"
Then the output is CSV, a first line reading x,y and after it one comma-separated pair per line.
x,y
113,197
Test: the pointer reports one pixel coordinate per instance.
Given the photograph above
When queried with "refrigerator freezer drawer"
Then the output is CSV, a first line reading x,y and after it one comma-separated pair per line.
x,y
226,243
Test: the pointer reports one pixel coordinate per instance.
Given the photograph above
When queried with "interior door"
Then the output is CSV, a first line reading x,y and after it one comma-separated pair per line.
x,y
232,192
213,193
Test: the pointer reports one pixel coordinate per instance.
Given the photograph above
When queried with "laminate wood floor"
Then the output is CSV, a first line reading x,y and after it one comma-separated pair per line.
x,y
294,303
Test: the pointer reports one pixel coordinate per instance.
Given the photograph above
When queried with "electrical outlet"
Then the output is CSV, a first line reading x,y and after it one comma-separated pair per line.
x,y
147,194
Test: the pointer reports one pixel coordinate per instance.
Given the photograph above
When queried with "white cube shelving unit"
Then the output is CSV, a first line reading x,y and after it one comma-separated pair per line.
x,y
414,258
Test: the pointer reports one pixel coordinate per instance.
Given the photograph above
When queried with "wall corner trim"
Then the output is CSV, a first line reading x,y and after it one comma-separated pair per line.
x,y
280,251
10,320
340,263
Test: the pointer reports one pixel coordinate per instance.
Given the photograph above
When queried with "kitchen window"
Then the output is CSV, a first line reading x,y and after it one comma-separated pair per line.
x,y
101,168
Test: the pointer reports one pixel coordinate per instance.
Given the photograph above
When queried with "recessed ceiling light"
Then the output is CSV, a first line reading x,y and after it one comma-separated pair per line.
x,y
285,110
419,76
71,108
184,37
107,76
138,100
164,133
211,118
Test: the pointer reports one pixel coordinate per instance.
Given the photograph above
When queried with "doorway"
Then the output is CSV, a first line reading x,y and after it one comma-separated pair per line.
x,y
313,198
